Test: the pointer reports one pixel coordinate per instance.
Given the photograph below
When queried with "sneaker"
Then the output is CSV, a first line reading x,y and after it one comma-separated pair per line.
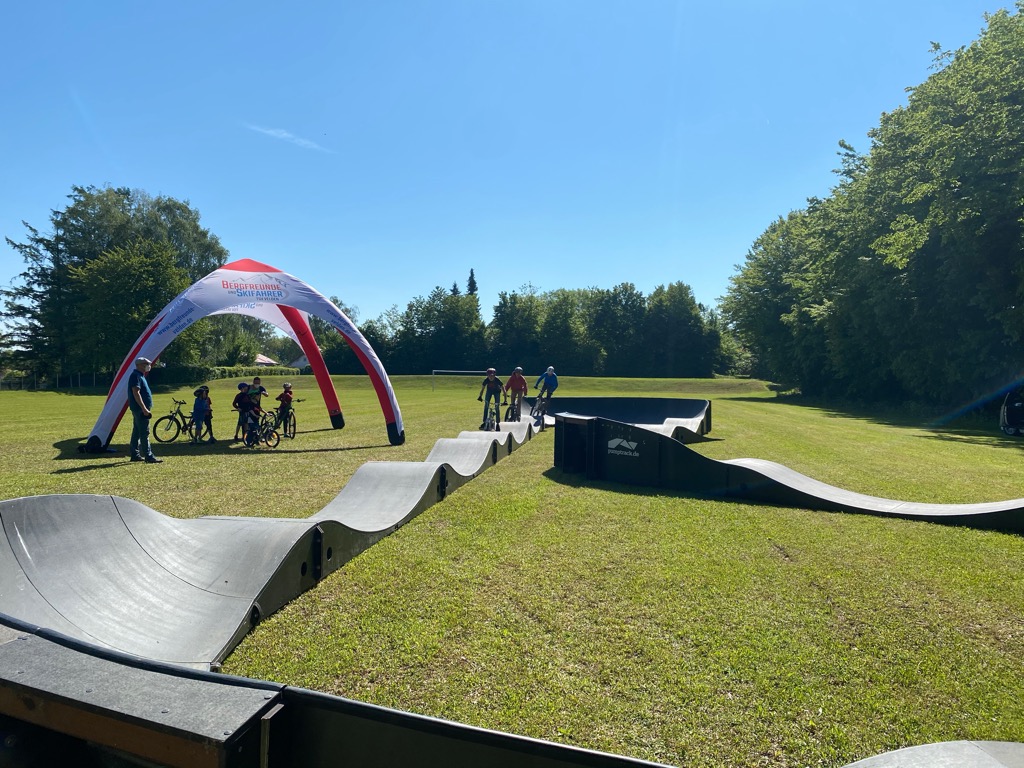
x,y
153,460
135,458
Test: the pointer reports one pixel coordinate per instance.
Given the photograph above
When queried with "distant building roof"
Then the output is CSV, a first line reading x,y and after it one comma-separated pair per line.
x,y
264,360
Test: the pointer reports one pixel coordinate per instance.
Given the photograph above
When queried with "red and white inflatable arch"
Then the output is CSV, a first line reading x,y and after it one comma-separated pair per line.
x,y
250,288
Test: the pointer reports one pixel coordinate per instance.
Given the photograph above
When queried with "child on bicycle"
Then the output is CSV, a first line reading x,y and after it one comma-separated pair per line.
x,y
492,384
285,399
550,382
517,387
247,411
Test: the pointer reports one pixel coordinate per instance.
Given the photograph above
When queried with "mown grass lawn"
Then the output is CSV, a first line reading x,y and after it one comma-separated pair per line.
x,y
685,631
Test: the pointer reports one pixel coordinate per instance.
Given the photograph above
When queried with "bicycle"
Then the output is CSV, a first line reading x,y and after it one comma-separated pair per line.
x,y
167,428
492,421
286,425
514,410
540,405
261,431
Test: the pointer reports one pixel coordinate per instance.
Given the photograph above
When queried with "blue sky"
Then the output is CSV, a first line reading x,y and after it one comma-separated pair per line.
x,y
377,149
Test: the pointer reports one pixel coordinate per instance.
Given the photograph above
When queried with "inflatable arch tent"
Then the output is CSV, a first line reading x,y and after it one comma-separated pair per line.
x,y
250,288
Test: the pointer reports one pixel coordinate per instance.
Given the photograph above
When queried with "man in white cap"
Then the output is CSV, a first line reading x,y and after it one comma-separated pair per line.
x,y
140,400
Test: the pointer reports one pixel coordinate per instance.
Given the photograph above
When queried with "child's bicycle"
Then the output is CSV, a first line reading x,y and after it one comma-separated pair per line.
x,y
492,421
514,411
540,405
167,428
260,430
285,426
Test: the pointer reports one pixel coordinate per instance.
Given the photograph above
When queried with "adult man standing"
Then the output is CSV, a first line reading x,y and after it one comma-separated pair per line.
x,y
140,400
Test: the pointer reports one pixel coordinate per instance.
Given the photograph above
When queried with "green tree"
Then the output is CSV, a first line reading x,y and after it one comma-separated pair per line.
x,y
615,324
514,331
680,341
145,277
42,306
233,339
565,341
440,330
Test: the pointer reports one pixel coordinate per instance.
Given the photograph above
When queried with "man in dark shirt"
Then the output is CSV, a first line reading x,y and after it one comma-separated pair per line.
x,y
140,401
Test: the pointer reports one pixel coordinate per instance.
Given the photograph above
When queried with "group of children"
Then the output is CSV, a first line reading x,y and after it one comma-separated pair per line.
x,y
516,386
246,402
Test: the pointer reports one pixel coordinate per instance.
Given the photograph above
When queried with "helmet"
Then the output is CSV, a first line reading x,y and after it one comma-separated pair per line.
x,y
551,369
287,386
519,369
243,385
491,370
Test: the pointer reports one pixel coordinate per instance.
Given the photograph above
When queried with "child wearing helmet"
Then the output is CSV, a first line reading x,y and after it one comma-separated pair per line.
x,y
285,399
550,382
517,387
245,406
492,384
202,415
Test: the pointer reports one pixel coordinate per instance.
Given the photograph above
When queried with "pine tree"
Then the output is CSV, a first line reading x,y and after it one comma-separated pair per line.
x,y
471,284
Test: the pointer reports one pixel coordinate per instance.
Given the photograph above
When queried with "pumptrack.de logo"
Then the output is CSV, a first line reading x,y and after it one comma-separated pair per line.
x,y
620,447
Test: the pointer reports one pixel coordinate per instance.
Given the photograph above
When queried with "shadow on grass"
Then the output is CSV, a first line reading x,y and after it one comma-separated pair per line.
x,y
90,468
69,449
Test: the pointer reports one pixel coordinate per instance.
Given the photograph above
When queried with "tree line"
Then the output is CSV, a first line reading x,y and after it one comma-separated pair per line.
x,y
583,332
114,257
907,281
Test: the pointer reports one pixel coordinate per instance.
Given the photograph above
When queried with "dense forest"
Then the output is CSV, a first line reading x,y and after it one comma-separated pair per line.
x,y
907,282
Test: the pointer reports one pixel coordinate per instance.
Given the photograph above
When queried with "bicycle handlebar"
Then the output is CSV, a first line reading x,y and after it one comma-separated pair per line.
x,y
178,402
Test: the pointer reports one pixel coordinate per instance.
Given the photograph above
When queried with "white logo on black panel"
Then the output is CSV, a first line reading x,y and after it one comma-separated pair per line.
x,y
620,447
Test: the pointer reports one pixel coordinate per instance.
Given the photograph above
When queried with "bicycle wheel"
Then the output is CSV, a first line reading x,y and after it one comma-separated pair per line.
x,y
289,426
271,438
166,429
204,430
510,413
268,420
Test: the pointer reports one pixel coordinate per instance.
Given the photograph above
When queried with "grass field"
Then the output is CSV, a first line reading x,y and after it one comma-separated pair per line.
x,y
679,630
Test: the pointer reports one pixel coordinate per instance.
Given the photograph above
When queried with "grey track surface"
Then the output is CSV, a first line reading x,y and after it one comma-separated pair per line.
x,y
792,488
950,754
679,418
664,461
114,573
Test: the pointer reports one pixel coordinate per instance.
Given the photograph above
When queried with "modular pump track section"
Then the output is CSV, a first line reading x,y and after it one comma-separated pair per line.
x,y
112,614
113,572
613,447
